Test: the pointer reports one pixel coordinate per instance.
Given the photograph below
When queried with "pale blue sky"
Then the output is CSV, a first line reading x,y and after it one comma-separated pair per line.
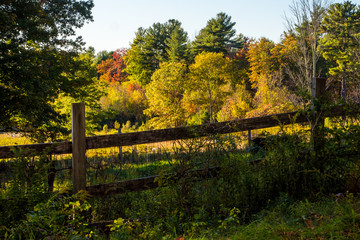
x,y
116,21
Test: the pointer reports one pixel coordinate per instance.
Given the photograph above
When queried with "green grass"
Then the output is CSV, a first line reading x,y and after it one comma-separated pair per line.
x,y
328,218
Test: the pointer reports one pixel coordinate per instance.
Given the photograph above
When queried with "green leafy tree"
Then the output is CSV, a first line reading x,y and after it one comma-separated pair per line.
x,y
38,53
165,94
342,29
177,45
138,61
102,56
159,43
208,81
90,90
217,36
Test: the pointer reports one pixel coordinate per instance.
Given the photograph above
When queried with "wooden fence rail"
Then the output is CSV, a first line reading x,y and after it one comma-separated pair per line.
x,y
153,136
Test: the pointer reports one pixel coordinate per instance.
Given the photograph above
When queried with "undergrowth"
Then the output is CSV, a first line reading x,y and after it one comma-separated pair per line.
x,y
281,196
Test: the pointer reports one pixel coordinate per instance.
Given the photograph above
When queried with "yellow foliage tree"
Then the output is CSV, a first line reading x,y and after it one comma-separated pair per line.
x,y
266,77
165,94
208,80
236,105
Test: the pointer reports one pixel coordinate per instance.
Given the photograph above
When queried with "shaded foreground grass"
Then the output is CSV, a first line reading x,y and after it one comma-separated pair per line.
x,y
334,217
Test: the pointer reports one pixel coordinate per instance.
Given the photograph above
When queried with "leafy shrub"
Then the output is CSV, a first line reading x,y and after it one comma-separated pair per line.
x,y
26,188
61,217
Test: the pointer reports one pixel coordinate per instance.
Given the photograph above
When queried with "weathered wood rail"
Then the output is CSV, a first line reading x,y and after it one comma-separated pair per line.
x,y
153,136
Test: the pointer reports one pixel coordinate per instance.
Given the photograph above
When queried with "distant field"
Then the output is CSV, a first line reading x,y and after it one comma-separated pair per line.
x,y
7,139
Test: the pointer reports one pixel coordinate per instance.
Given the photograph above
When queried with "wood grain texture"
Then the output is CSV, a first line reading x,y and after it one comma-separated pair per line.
x,y
78,146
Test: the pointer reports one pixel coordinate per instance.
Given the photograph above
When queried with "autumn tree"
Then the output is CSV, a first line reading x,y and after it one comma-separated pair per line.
x,y
165,94
239,66
271,96
208,82
89,91
123,102
38,57
111,70
239,100
236,105
342,27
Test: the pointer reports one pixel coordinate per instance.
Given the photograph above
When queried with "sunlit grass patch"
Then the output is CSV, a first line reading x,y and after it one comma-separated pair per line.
x,y
7,139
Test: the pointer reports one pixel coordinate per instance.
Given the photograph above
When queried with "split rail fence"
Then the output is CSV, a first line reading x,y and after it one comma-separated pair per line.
x,y
80,143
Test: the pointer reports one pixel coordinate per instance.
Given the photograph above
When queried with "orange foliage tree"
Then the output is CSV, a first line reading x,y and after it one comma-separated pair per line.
x,y
112,70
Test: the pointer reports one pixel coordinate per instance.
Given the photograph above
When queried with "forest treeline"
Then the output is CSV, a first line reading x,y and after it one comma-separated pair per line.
x,y
165,79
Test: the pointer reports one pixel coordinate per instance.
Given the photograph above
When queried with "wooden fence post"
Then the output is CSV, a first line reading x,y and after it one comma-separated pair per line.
x,y
317,124
78,146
